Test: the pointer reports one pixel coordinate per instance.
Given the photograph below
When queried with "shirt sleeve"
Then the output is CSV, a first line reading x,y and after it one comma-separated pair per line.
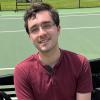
x,y
84,83
22,84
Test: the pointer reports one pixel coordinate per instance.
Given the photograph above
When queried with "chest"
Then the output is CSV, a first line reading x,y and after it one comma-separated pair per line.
x,y
61,85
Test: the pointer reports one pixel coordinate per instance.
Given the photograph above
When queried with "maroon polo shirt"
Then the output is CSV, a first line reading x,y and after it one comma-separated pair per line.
x,y
70,75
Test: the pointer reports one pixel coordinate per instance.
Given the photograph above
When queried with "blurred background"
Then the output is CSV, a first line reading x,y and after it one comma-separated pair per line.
x,y
80,30
61,4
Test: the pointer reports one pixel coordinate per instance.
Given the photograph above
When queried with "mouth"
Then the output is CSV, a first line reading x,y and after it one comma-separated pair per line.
x,y
44,41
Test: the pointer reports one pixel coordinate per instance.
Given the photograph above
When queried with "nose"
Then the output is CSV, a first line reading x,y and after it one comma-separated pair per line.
x,y
42,31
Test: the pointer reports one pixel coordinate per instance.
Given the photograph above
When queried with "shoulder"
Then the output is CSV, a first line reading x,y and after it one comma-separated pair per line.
x,y
74,57
25,65
76,62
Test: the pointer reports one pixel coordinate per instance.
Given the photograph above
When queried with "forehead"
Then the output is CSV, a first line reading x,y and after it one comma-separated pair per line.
x,y
42,16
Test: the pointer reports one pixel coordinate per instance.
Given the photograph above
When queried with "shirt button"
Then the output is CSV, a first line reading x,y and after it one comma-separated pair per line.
x,y
54,84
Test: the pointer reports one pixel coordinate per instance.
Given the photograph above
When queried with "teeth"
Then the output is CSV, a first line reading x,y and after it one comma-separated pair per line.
x,y
43,41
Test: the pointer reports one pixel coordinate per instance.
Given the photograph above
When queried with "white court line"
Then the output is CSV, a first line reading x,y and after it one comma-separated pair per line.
x,y
77,28
1,69
80,15
10,18
69,28
61,15
94,12
12,31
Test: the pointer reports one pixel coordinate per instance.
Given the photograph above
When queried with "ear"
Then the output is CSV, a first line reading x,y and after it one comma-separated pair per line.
x,y
58,29
29,35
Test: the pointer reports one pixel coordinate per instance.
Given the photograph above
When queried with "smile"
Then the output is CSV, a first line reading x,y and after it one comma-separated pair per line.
x,y
45,41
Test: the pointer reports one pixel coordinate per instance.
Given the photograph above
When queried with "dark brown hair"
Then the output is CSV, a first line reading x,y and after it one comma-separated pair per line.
x,y
37,7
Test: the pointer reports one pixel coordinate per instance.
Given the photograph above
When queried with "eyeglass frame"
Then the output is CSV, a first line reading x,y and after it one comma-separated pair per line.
x,y
44,25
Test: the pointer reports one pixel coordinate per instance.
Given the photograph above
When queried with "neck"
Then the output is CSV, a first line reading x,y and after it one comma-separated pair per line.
x,y
50,58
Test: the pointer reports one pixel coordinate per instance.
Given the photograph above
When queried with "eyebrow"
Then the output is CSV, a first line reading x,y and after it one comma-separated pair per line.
x,y
45,22
33,26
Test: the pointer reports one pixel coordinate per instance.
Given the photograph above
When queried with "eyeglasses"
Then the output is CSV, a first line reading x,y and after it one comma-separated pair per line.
x,y
45,26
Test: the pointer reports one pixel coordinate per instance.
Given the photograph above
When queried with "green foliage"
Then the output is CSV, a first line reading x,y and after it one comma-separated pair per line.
x,y
88,3
63,3
11,4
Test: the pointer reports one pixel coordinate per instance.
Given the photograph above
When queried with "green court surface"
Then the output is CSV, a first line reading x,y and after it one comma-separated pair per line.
x,y
80,32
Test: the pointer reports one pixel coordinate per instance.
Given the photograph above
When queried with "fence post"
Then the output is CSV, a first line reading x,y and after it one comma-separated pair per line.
x,y
16,6
0,6
79,4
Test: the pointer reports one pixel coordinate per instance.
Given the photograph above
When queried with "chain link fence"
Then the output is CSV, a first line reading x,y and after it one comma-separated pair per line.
x,y
61,4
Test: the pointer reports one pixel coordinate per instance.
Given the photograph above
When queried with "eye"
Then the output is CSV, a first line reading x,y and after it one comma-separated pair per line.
x,y
34,29
47,25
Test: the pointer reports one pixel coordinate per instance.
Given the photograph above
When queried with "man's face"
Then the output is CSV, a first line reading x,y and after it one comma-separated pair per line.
x,y
43,32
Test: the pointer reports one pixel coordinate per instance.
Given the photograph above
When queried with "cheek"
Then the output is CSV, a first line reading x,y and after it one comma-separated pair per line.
x,y
55,37
32,38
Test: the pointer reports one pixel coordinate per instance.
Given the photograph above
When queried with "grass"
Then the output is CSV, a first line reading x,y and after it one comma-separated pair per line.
x,y
90,4
11,4
63,3
8,5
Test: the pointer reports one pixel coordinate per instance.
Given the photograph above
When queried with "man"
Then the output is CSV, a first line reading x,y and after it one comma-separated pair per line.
x,y
52,73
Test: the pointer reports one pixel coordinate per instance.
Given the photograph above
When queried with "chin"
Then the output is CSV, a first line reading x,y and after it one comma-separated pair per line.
x,y
44,50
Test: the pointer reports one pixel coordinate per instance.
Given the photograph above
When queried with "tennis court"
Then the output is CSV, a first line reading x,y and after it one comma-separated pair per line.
x,y
80,33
